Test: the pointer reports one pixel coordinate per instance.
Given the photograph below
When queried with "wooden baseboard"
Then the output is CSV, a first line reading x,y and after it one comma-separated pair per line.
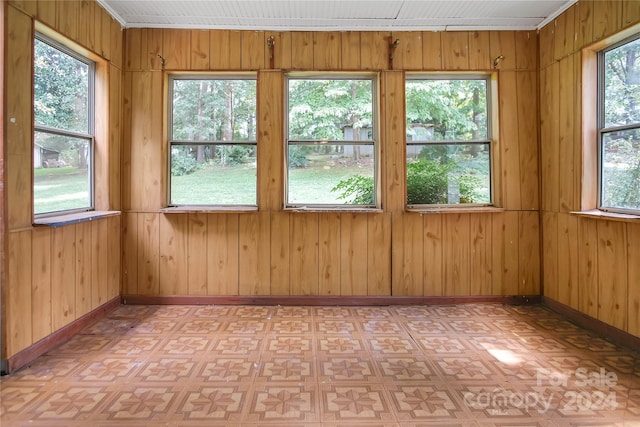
x,y
325,300
26,356
611,333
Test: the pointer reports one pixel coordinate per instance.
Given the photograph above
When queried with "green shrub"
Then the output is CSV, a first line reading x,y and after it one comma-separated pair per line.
x,y
356,190
183,164
297,157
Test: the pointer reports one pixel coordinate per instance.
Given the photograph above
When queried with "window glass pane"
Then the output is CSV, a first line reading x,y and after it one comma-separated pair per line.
x,y
61,89
214,110
331,174
622,85
446,110
213,174
61,178
621,169
333,110
448,174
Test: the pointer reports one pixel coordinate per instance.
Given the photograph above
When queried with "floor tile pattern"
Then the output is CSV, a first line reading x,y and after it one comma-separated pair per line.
x,y
464,365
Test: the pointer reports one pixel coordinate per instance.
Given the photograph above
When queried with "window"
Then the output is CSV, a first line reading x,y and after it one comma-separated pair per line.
x,y
619,126
448,140
212,140
64,135
331,141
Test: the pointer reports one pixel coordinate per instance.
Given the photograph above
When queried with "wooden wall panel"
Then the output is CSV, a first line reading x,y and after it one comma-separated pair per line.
x,y
588,267
327,50
549,136
100,262
63,276
612,273
455,50
197,258
223,254
47,12
18,292
254,233
379,254
350,50
479,51
303,259
41,283
584,23
302,50
565,34
550,254
374,50
567,198
529,253
83,261
329,259
270,137
506,257
114,255
199,59
480,254
173,235
630,12
130,251
252,55
148,253
526,50
456,236
407,257
224,50
115,138
606,18
568,260
433,256
528,159
509,145
408,53
504,43
176,49
431,50
547,45
280,253
353,254
392,142
633,278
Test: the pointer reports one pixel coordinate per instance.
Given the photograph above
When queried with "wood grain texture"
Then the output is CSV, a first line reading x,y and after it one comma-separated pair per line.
x,y
200,47
350,50
148,240
565,34
197,258
612,274
374,50
114,256
280,253
607,18
254,233
83,261
529,253
223,254
550,254
588,267
456,237
431,50
407,257
408,54
353,254
303,248
503,43
63,276
455,50
270,136
526,50
173,264
433,281
40,283
566,90
18,307
252,54
549,137
327,47
130,251
480,254
379,254
329,259
528,130
479,51
509,147
568,293
392,143
584,23
633,255
176,49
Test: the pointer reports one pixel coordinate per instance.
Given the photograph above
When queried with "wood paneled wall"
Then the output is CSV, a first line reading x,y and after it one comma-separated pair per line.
x,y
276,252
589,264
53,276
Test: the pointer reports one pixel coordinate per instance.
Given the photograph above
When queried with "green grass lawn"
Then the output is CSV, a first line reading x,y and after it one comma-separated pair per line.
x,y
58,189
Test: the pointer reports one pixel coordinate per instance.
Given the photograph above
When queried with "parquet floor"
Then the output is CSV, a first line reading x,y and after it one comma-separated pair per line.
x,y
463,365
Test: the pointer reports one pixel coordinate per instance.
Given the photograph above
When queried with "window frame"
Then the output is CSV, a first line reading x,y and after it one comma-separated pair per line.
x,y
90,136
177,142
374,77
489,79
602,130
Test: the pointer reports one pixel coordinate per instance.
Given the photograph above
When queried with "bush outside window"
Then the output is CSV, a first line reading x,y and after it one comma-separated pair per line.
x,y
619,127
63,138
212,139
448,140
331,141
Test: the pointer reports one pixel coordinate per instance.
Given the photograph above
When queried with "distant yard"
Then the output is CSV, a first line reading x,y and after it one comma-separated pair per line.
x,y
57,189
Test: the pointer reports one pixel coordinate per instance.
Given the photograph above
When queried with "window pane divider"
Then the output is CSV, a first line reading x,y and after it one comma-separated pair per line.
x,y
186,142
62,132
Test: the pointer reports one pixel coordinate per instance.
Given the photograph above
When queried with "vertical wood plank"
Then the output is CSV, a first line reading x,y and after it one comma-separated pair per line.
x,y
105,33
176,49
83,269
480,254
509,147
199,50
353,254
280,253
270,147
433,259
254,264
633,309
100,267
630,13
550,254
197,254
47,12
130,254
606,18
456,238
133,51
350,50
18,304
549,135
148,253
302,50
407,257
326,50
408,54
529,253
379,254
584,23
253,50
567,198
504,43
527,95
329,259
588,267
479,51
74,20
173,245
114,257
374,50
40,283
526,50
431,50
63,277
565,34
455,50
505,258
116,45
612,273
115,139
223,254
547,45
224,49
568,260
304,254
392,145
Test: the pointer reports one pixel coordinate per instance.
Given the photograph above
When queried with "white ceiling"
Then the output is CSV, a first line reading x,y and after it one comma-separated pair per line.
x,y
337,15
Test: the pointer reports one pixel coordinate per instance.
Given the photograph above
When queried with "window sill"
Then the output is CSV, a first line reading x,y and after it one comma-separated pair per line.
x,y
456,210
609,216
74,218
333,210
208,209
